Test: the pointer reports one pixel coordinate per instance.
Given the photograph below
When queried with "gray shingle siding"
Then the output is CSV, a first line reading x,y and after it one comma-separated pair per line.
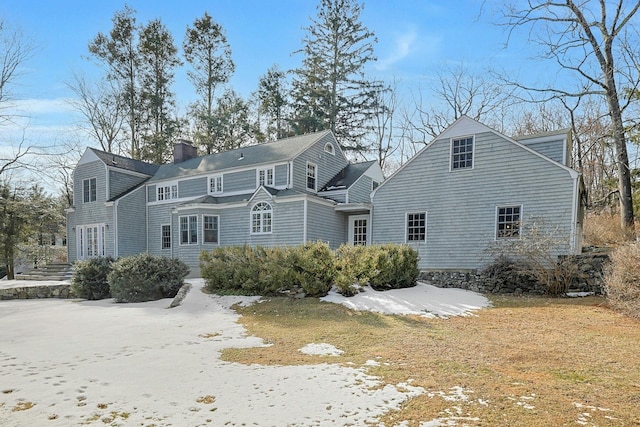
x,y
552,149
281,178
328,165
193,187
461,204
324,224
360,191
239,181
132,223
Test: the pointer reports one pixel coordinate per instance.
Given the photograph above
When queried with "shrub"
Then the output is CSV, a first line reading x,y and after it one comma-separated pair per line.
x,y
354,267
313,268
268,271
89,279
622,280
146,277
233,269
396,266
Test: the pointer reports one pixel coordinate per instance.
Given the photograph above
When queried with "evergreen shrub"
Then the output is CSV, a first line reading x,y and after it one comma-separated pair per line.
x,y
146,277
89,279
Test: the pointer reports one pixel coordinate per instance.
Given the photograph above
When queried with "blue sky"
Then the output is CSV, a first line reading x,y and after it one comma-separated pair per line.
x,y
415,37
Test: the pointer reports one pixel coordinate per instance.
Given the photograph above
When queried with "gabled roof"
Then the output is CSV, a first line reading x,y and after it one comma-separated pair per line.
x,y
271,152
348,176
211,200
125,163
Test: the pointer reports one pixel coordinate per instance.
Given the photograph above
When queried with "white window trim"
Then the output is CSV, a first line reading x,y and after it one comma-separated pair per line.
x,y
329,148
162,237
89,180
406,227
189,243
351,228
211,177
170,186
262,212
273,176
473,152
495,231
203,229
306,177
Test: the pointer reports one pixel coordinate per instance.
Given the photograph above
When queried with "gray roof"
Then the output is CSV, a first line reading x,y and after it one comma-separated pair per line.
x,y
348,176
271,152
211,200
126,163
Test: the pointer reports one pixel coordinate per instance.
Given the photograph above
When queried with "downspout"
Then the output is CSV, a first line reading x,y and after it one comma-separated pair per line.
x,y
115,229
146,214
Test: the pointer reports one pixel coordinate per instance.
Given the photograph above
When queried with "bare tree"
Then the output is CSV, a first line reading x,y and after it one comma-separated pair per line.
x,y
593,41
385,141
103,110
459,91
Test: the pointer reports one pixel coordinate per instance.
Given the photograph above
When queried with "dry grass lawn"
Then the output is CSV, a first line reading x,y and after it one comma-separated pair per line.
x,y
524,362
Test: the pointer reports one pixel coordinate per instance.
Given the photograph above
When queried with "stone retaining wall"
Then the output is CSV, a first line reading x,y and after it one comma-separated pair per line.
x,y
589,278
30,292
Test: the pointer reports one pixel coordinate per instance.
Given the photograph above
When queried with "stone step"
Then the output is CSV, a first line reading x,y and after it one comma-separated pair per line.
x,y
54,272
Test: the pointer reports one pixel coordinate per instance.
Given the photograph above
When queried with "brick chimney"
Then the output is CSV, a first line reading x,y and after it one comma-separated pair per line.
x,y
183,150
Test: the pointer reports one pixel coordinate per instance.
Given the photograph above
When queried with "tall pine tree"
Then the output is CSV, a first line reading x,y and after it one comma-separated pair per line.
x,y
207,51
330,89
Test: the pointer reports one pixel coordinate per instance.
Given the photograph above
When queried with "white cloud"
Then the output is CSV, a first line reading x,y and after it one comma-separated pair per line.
x,y
406,45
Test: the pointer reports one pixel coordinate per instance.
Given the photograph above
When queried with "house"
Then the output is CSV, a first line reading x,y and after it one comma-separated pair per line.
x,y
471,188
468,189
281,193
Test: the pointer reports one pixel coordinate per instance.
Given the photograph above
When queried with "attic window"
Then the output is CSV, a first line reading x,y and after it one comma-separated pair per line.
x,y
328,148
462,153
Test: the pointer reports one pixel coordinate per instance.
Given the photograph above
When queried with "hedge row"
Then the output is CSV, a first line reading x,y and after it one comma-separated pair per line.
x,y
136,278
314,268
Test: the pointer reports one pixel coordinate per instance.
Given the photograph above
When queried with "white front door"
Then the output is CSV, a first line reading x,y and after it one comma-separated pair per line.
x,y
359,230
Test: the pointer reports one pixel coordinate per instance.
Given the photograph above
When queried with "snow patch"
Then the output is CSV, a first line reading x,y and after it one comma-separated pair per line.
x,y
322,349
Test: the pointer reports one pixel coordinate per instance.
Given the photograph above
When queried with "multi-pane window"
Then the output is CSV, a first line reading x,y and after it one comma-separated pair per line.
x,y
508,221
312,171
265,177
215,184
360,232
166,237
189,230
462,153
261,218
416,227
210,226
167,192
89,190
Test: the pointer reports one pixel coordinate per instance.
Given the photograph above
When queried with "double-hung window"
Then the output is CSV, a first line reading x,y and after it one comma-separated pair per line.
x,y
312,176
210,225
462,153
167,191
416,227
215,184
265,177
261,218
89,190
508,221
189,230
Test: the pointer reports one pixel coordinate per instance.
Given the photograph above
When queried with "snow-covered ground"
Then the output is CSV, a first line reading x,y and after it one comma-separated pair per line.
x,y
68,363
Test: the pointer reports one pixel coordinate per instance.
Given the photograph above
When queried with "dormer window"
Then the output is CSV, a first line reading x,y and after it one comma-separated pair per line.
x,y
328,148
215,184
167,192
265,177
462,153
